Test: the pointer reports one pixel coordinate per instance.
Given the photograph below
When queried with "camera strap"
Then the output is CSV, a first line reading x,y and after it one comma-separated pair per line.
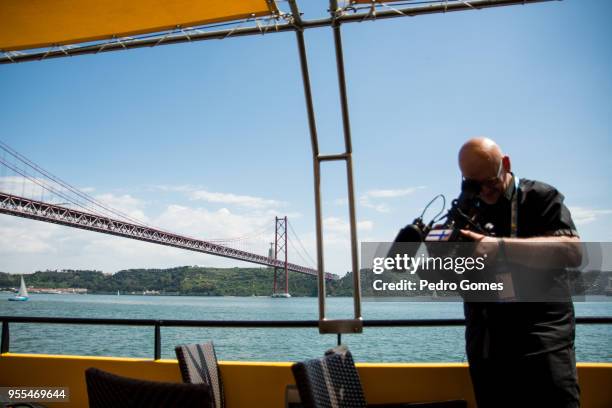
x,y
505,277
514,209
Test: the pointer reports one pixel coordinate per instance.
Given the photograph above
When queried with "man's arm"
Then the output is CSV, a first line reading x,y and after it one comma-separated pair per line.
x,y
555,243
536,252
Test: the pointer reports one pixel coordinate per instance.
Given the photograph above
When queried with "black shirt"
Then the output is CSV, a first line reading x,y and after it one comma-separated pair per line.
x,y
514,329
541,212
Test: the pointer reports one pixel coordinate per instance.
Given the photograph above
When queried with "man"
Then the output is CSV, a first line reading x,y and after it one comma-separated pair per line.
x,y
521,354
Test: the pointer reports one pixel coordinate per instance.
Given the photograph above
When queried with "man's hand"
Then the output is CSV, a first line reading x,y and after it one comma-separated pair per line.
x,y
487,247
536,252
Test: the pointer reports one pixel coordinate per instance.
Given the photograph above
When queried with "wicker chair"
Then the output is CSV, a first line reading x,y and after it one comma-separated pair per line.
x,y
333,381
198,365
106,390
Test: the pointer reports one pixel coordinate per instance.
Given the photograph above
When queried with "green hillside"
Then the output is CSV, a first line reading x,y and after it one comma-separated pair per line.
x,y
184,280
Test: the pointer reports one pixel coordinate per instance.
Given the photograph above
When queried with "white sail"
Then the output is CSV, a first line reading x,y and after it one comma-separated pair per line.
x,y
22,289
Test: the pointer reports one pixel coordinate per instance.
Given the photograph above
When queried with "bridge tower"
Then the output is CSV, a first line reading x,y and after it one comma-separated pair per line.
x,y
280,251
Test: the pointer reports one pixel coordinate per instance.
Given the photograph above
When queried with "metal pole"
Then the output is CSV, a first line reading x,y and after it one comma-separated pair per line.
x,y
333,157
314,141
275,251
157,345
286,270
346,124
6,338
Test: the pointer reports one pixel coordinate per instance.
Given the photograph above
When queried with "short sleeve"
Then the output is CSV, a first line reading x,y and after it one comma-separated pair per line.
x,y
556,219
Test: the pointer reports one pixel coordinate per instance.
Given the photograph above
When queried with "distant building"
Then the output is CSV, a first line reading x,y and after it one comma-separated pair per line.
x,y
58,291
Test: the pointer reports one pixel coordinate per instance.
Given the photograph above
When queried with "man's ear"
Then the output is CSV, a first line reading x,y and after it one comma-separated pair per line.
x,y
506,163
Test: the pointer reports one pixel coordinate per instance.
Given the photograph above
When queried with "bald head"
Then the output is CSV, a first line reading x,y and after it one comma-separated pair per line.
x,y
480,159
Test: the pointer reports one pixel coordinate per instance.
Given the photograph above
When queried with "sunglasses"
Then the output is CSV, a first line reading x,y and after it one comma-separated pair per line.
x,y
490,183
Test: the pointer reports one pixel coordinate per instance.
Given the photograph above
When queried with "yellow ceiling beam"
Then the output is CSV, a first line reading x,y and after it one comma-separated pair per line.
x,y
28,24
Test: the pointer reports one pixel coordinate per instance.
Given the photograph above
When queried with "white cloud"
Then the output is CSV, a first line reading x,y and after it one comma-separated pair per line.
x,y
381,208
131,206
53,193
16,238
335,224
173,188
391,193
120,202
585,215
337,230
202,223
235,199
372,198
341,201
33,187
365,225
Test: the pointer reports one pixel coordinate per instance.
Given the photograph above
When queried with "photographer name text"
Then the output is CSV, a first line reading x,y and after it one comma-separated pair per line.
x,y
412,264
465,285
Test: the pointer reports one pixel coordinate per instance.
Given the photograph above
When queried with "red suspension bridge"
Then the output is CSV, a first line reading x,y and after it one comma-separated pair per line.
x,y
93,215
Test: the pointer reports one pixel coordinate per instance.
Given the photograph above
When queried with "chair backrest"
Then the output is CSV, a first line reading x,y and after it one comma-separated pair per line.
x,y
329,382
106,390
198,365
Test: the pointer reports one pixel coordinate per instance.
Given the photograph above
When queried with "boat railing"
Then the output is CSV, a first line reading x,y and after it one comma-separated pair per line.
x,y
157,324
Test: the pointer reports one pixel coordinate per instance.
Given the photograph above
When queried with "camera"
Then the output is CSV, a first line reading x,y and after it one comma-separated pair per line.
x,y
463,214
441,237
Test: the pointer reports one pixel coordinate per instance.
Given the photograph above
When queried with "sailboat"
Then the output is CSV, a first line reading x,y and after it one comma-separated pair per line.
x,y
23,292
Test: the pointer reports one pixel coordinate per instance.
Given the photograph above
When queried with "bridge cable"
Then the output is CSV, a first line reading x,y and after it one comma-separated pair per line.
x,y
301,244
69,187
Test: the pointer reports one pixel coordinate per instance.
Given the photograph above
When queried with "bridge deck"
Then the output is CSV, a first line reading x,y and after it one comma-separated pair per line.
x,y
41,211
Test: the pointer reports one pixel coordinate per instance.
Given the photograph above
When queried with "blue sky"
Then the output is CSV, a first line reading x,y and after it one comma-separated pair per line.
x,y
210,139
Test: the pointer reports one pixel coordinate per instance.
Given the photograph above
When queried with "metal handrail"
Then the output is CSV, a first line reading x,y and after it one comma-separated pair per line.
x,y
159,323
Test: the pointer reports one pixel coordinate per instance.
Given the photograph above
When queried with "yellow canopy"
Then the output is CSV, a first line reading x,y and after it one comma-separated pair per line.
x,y
26,24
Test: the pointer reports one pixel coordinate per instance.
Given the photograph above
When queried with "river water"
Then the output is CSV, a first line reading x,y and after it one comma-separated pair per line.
x,y
432,344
